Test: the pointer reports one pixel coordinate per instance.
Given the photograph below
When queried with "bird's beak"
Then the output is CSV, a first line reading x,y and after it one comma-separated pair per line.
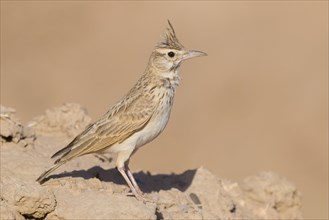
x,y
193,53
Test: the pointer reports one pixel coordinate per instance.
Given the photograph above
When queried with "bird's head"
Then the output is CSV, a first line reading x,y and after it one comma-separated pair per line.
x,y
169,54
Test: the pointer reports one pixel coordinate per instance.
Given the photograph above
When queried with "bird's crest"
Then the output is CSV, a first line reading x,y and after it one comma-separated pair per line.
x,y
170,40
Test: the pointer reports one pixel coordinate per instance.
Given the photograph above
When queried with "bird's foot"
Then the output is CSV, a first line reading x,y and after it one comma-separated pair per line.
x,y
145,199
140,196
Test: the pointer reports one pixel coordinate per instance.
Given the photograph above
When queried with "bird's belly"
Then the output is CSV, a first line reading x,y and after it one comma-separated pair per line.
x,y
144,136
153,128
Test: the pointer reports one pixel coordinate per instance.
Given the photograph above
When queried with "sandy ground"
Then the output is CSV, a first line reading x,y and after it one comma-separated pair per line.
x,y
91,188
257,102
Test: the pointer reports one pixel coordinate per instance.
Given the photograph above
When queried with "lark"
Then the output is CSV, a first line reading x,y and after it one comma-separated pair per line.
x,y
138,118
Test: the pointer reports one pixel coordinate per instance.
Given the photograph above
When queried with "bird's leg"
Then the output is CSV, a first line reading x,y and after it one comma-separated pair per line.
x,y
133,181
131,186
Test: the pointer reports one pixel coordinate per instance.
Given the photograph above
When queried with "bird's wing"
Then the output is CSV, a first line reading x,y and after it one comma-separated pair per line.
x,y
122,121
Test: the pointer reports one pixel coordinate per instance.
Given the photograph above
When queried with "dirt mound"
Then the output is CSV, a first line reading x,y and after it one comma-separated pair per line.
x,y
91,188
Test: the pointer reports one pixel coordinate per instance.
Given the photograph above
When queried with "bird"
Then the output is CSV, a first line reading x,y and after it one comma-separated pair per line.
x,y
138,118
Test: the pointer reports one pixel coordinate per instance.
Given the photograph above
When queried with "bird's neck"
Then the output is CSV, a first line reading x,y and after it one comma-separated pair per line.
x,y
171,77
165,79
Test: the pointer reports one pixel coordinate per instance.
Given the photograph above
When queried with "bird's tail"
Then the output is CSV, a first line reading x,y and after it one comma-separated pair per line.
x,y
42,177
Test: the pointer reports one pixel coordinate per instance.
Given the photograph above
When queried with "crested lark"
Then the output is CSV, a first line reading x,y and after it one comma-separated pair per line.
x,y
139,117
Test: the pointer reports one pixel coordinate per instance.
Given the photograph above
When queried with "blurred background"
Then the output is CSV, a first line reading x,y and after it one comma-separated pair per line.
x,y
258,102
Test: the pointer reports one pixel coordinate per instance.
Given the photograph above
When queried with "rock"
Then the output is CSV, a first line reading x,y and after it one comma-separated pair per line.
x,y
28,198
7,213
273,195
174,204
210,193
69,119
12,131
92,204
91,188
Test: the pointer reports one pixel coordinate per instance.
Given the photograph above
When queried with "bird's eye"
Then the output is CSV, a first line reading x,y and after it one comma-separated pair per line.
x,y
171,54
